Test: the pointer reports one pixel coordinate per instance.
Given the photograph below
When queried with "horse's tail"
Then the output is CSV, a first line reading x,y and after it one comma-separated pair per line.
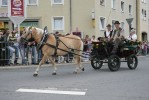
x,y
81,49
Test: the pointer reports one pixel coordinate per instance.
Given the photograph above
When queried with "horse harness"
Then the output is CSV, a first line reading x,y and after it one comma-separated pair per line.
x,y
44,42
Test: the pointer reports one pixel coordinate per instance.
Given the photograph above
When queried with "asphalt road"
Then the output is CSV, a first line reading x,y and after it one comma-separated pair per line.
x,y
96,84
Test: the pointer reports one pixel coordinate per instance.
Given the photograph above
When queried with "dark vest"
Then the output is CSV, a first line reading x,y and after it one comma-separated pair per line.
x,y
109,34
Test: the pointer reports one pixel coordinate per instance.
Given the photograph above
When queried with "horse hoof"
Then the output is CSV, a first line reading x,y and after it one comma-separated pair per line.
x,y
35,75
83,69
53,73
74,72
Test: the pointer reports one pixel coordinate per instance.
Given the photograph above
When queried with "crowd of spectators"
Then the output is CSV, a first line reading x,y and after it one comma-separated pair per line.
x,y
10,41
144,48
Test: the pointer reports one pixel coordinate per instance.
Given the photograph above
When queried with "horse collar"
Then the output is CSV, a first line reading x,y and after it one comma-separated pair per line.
x,y
43,41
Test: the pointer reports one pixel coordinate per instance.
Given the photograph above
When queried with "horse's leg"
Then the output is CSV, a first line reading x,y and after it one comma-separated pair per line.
x,y
79,63
53,64
41,62
77,67
78,57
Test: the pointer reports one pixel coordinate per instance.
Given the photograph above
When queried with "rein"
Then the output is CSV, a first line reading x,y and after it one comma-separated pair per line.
x,y
70,37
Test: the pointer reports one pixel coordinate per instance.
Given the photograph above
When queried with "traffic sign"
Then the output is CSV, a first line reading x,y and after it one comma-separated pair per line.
x,y
129,20
17,11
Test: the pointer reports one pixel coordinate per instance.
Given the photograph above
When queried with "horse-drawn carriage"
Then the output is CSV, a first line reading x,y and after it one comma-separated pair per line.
x,y
101,53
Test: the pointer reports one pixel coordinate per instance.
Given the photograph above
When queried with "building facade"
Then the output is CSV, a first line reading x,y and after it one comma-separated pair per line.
x,y
143,19
89,17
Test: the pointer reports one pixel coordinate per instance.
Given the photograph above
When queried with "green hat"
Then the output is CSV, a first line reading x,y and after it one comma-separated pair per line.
x,y
117,22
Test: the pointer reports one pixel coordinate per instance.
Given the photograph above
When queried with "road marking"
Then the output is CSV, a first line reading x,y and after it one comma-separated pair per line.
x,y
51,91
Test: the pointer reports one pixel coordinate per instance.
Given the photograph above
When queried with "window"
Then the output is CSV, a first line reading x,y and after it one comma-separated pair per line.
x,y
113,26
102,23
4,3
130,9
102,2
113,4
58,23
32,2
143,1
122,25
57,1
122,6
143,15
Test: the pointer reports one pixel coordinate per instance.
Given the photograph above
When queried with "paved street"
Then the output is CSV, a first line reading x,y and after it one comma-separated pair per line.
x,y
95,84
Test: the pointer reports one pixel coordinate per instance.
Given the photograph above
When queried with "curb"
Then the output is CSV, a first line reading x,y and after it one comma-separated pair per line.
x,y
34,66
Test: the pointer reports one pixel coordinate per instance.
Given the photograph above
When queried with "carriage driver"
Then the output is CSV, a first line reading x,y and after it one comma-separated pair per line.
x,y
117,37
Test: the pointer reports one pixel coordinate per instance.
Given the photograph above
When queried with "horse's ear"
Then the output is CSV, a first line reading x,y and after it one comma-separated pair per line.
x,y
35,28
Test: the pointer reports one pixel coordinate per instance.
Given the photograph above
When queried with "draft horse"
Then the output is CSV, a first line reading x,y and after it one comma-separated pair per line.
x,y
52,45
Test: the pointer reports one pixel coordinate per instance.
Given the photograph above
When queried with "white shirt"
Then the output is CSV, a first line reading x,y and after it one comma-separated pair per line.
x,y
108,34
93,40
132,37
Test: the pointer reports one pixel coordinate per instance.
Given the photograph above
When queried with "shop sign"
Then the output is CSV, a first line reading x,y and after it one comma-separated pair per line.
x,y
1,24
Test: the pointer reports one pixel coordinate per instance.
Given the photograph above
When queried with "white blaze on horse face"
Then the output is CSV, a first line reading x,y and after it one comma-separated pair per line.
x,y
26,33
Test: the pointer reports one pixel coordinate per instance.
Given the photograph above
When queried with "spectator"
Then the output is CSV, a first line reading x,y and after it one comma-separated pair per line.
x,y
15,46
39,55
6,33
142,48
147,47
33,49
86,43
1,36
23,51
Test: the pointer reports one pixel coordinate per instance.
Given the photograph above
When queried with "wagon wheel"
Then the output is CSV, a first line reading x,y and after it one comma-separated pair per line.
x,y
114,63
132,61
96,63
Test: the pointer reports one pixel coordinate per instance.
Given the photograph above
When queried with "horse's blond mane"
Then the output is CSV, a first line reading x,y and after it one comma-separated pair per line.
x,y
39,31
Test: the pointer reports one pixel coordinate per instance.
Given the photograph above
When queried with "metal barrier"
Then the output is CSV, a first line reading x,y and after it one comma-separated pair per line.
x,y
4,52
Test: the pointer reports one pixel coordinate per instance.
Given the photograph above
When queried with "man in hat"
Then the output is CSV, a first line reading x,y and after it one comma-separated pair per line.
x,y
133,35
108,32
117,36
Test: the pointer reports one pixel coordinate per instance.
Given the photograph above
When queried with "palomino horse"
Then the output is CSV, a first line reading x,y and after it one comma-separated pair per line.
x,y
65,43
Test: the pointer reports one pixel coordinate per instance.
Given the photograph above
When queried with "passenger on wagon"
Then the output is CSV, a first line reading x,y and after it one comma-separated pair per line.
x,y
108,32
133,35
93,39
117,37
